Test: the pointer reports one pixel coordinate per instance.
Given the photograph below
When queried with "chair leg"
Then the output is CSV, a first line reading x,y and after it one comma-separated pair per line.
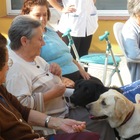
x,y
105,68
116,68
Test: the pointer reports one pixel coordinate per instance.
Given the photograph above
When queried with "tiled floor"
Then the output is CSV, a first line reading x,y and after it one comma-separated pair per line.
x,y
115,80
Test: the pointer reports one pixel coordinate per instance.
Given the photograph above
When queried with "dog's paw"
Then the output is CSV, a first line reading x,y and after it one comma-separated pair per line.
x,y
137,98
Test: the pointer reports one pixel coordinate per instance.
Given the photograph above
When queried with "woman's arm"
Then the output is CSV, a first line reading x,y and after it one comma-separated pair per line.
x,y
25,93
57,6
13,100
68,82
83,73
55,69
68,125
56,91
94,1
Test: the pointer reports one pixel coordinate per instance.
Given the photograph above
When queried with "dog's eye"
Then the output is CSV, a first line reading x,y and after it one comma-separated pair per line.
x,y
103,102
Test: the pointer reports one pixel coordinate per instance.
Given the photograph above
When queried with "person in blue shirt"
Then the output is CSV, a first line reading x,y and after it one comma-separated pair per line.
x,y
55,50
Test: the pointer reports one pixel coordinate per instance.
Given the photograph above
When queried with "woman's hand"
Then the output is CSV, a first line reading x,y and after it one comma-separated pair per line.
x,y
84,74
68,82
59,89
56,91
69,9
55,69
67,125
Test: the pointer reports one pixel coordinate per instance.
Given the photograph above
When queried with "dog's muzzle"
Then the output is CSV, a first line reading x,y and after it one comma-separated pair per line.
x,y
98,117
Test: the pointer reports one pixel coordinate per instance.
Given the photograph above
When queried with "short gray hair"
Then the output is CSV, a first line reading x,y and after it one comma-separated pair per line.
x,y
22,25
133,7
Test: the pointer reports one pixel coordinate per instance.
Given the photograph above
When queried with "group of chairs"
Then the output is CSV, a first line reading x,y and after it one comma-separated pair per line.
x,y
105,61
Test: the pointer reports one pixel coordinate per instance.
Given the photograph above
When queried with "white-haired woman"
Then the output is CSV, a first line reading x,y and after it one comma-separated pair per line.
x,y
131,38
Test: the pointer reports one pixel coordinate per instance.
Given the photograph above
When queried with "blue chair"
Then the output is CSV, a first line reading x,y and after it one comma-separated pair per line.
x,y
103,60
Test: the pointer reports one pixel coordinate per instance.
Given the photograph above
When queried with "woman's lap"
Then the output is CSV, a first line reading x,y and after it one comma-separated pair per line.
x,y
76,136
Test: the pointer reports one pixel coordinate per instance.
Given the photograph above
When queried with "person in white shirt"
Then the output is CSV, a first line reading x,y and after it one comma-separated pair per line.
x,y
81,17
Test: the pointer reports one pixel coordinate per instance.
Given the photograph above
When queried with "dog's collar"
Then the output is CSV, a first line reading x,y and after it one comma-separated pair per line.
x,y
126,119
133,137
128,116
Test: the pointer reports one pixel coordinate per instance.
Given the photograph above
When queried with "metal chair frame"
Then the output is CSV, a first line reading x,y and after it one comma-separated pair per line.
x,y
108,53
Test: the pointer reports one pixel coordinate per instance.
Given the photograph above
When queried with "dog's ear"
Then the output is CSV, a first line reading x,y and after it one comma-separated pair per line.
x,y
117,89
137,98
119,107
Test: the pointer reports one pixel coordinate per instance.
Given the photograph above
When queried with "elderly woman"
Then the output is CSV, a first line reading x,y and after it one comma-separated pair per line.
x,y
54,49
131,38
33,81
15,119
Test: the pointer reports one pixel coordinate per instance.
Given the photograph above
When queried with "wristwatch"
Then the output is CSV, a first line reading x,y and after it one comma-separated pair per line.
x,y
47,121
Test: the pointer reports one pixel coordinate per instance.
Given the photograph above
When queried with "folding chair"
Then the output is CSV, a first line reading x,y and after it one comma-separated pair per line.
x,y
100,60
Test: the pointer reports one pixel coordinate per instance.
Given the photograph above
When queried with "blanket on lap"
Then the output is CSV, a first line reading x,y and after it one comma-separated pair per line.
x,y
76,136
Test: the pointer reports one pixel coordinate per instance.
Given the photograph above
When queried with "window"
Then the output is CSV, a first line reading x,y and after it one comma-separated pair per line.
x,y
112,7
105,7
13,6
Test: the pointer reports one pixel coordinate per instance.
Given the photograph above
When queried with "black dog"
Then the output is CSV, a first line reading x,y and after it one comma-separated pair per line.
x,y
87,91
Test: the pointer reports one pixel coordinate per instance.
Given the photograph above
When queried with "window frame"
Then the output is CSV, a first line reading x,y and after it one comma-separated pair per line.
x,y
100,12
113,13
9,9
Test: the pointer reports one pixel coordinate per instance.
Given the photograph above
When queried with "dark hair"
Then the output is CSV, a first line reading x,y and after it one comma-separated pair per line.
x,y
28,4
3,51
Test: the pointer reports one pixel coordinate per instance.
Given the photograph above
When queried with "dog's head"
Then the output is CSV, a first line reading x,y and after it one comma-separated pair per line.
x,y
112,106
87,91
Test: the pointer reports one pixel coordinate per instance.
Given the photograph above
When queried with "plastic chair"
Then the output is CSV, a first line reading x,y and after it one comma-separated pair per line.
x,y
117,29
103,61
